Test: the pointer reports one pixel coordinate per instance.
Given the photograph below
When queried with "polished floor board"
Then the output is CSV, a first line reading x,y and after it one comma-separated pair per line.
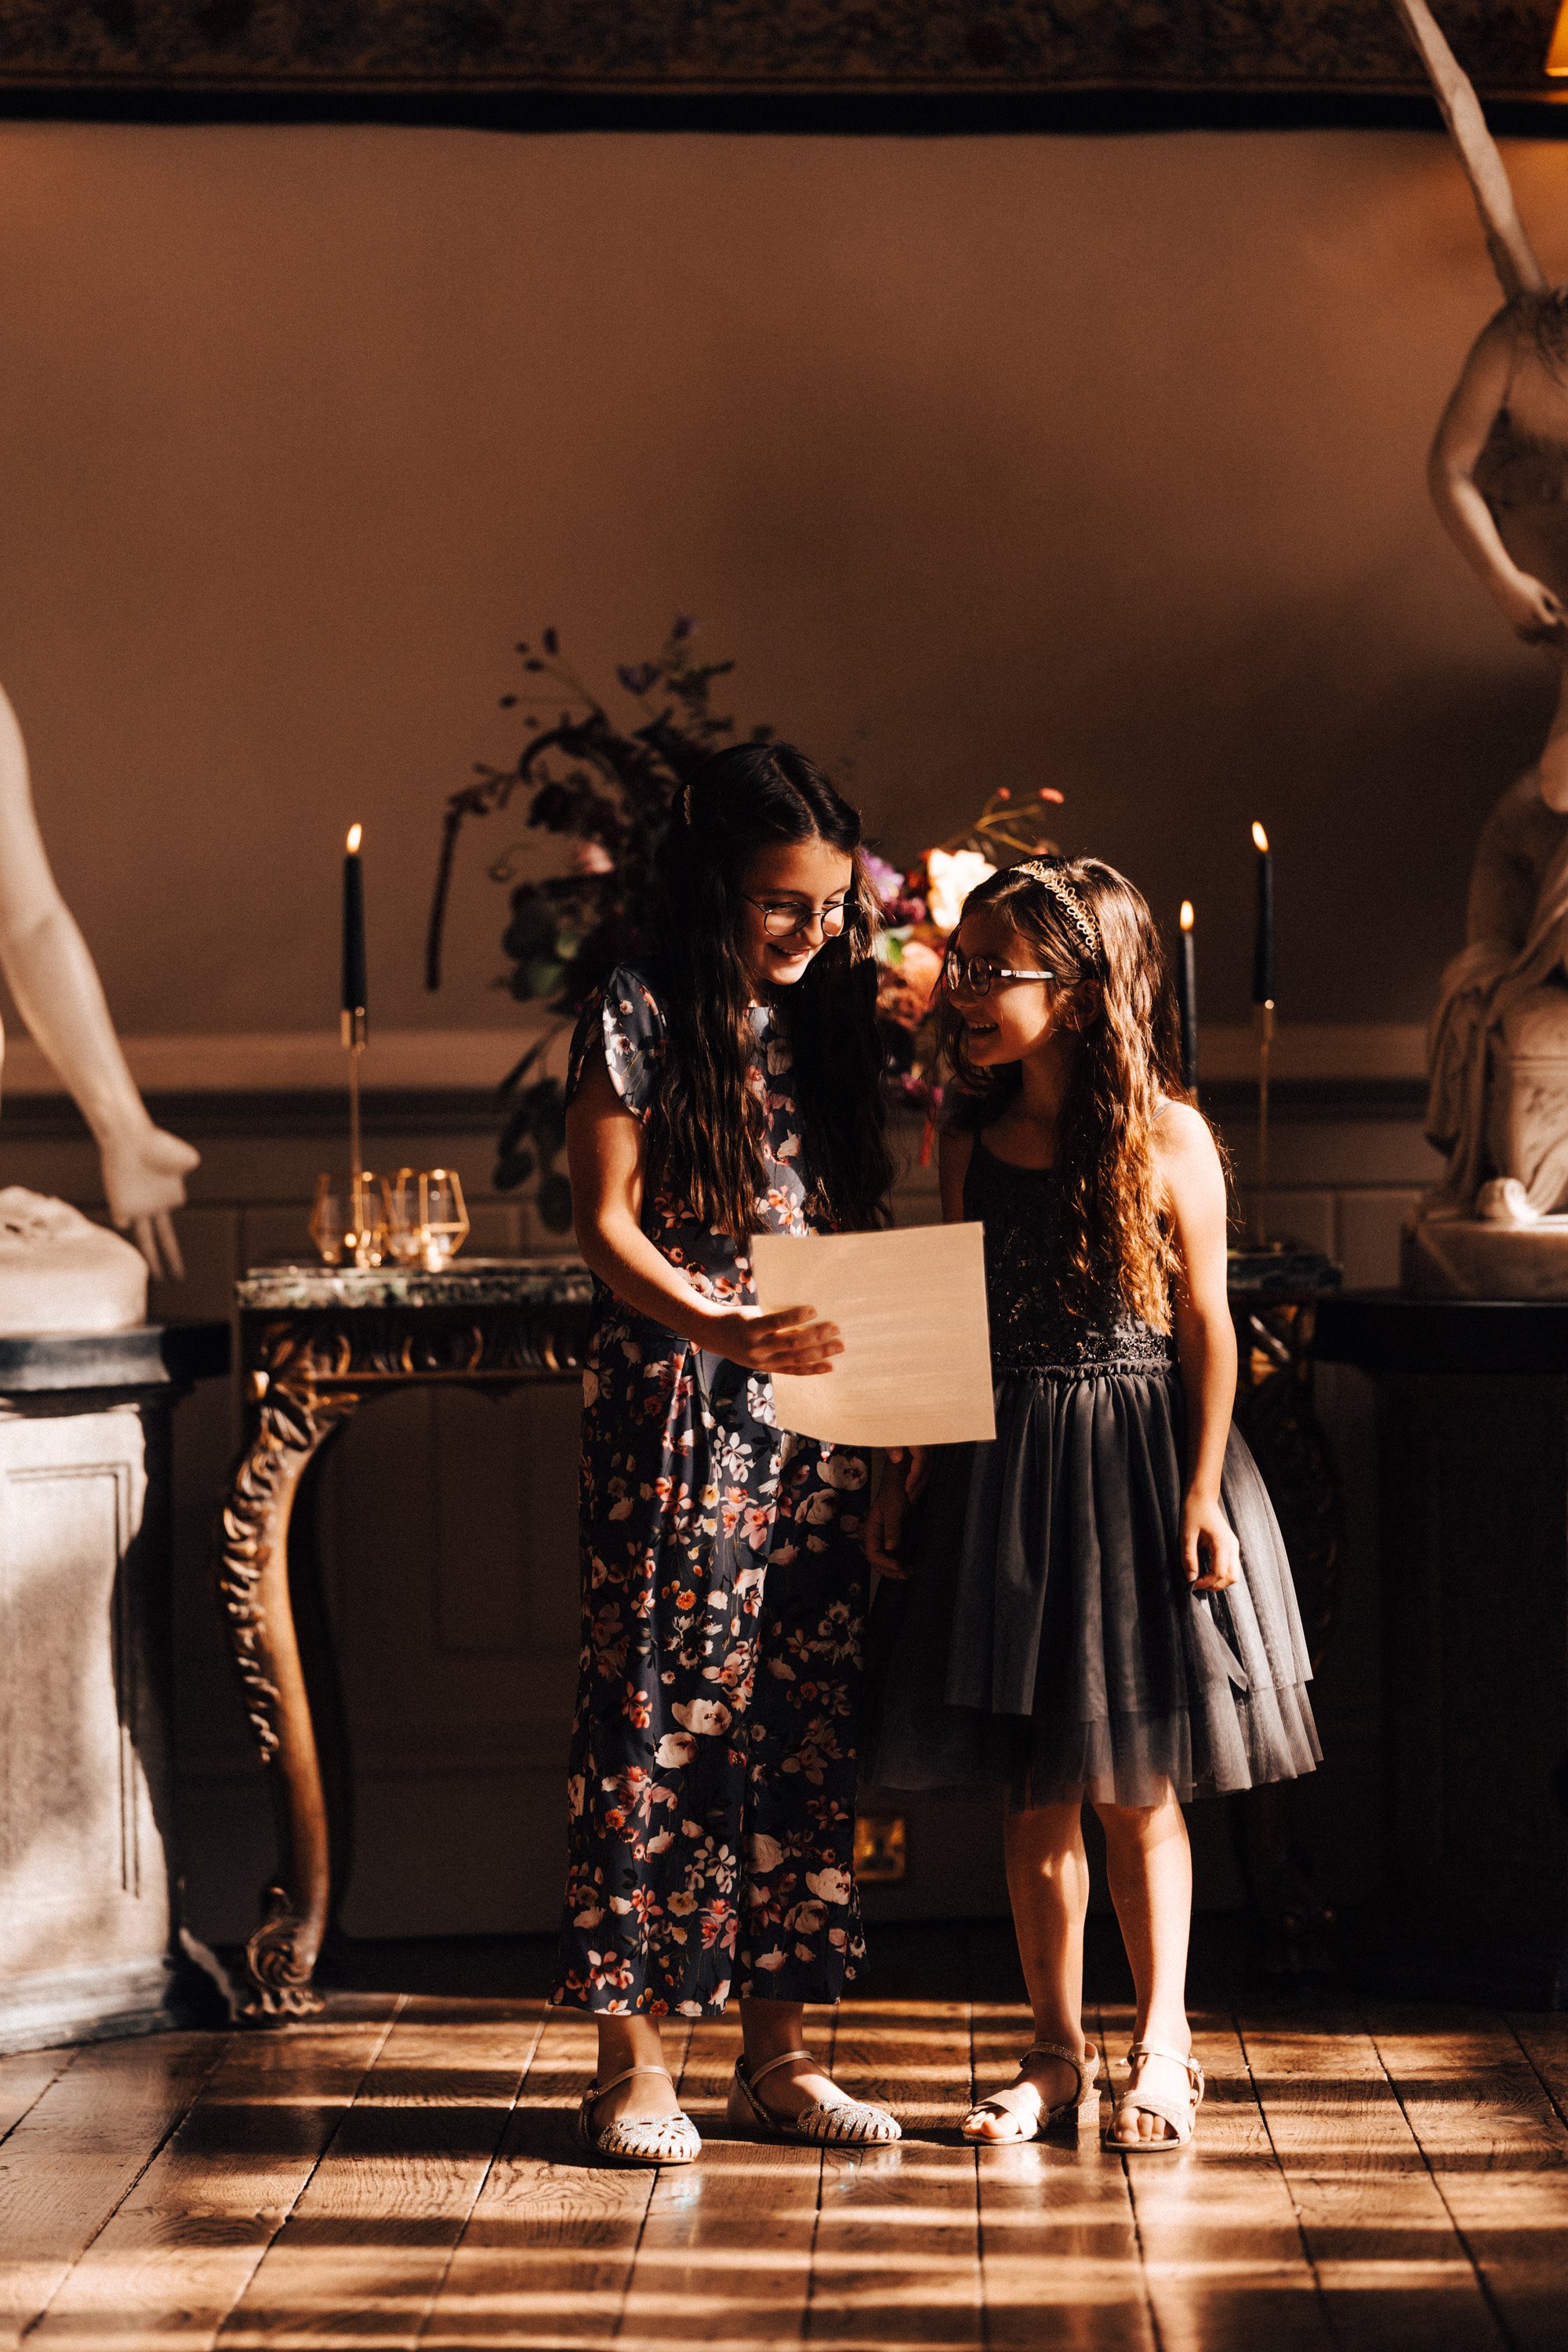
x,y
404,2173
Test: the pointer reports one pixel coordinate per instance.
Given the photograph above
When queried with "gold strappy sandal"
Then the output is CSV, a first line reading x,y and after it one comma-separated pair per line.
x,y
1181,2119
839,2123
1084,2104
637,2139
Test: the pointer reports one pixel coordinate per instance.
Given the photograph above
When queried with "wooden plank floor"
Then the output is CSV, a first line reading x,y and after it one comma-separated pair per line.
x,y
403,2173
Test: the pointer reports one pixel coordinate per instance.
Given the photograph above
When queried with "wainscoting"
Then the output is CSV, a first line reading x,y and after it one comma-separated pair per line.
x,y
447,1544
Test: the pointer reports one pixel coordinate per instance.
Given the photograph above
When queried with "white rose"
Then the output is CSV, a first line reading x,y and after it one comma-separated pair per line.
x,y
590,1388
844,1471
675,1747
702,1716
766,1852
952,876
829,1885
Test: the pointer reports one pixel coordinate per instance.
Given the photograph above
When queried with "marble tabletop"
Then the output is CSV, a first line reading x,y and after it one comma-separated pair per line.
x,y
469,1282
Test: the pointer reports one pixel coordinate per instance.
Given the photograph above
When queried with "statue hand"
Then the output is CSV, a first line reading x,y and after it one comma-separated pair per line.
x,y
1533,613
144,1176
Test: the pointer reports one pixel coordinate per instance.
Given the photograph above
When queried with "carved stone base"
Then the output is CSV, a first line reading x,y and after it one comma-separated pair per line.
x,y
1465,1258
88,1941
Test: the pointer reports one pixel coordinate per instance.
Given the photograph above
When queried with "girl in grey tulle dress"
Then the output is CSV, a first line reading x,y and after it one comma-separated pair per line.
x,y
1101,1606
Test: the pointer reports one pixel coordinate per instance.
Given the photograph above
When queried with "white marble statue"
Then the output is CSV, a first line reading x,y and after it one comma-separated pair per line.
x,y
1499,475
59,1271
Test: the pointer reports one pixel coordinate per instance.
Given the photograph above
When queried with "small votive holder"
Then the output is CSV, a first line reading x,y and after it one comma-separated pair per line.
x,y
427,1222
348,1219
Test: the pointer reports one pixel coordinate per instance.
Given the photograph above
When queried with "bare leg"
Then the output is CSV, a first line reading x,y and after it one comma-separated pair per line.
x,y
1047,1881
631,2042
1150,1864
770,2028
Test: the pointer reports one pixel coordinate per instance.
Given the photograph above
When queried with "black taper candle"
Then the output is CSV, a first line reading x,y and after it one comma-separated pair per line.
x,y
1188,996
1263,933
354,941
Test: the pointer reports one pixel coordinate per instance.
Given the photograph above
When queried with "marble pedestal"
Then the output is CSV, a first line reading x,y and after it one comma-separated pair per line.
x,y
86,1924
1473,1473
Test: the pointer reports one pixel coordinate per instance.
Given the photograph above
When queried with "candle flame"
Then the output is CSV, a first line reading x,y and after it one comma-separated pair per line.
x,y
1259,838
1187,914
357,833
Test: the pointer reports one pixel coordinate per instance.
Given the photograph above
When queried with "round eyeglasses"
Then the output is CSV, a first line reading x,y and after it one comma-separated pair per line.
x,y
978,975
782,918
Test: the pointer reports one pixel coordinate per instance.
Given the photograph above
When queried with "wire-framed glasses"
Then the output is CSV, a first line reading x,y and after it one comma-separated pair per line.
x,y
978,975
783,916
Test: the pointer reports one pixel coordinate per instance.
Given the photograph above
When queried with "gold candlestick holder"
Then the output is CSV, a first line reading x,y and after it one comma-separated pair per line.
x,y
366,1234
1263,1017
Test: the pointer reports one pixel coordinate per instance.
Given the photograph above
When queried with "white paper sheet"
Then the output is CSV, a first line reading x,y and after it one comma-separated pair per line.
x,y
910,1308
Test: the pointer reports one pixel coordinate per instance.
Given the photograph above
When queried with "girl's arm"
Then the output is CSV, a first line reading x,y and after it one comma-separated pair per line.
x,y
606,1153
1530,606
1193,1182
904,1468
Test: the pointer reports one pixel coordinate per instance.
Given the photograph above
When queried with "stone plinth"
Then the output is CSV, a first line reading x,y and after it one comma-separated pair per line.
x,y
87,1929
1473,1475
1467,1257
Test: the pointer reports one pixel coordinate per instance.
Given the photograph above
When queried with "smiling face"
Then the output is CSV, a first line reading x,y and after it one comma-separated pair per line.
x,y
1015,1017
800,889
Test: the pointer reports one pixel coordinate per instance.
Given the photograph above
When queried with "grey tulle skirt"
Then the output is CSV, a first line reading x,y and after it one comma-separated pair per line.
x,y
1048,1640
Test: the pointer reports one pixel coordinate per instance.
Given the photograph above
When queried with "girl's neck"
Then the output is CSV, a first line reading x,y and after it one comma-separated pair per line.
x,y
1045,1077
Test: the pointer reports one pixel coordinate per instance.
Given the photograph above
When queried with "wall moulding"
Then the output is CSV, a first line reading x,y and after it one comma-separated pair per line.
x,y
256,1083
398,50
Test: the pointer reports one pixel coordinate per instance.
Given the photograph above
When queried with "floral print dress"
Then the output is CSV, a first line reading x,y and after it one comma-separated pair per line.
x,y
712,1791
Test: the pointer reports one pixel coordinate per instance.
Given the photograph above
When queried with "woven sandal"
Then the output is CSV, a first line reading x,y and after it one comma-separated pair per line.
x,y
637,2139
842,2122
1084,2101
1181,2118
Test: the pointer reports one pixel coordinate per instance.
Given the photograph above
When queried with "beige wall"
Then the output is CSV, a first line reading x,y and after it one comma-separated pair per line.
x,y
1095,461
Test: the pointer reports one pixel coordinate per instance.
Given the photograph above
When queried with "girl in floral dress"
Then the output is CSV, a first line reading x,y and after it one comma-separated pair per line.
x,y
728,1086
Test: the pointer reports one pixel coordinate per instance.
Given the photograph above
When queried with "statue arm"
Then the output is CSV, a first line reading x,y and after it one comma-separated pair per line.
x,y
1530,606
57,992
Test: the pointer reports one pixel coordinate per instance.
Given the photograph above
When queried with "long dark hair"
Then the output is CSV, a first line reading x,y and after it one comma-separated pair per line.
x,y
708,1130
1130,1058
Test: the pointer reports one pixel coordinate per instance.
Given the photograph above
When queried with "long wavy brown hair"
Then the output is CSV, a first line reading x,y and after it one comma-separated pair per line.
x,y
1129,1061
708,1130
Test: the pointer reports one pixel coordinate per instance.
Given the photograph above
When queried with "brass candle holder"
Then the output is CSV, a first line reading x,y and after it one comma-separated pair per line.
x,y
1262,1016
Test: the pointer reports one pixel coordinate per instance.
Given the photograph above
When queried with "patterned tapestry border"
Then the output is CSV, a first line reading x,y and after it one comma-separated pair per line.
x,y
962,46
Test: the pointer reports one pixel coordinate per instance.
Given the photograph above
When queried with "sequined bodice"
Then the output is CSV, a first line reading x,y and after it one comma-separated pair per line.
x,y
1031,1328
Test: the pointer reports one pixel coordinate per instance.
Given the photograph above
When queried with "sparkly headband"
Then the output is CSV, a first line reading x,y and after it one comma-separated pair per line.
x,y
1067,898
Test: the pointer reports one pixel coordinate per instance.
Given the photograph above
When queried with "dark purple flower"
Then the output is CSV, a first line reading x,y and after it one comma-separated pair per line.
x,y
684,626
638,681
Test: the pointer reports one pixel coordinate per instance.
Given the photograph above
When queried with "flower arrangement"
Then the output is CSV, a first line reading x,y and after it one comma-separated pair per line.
x,y
921,909
607,790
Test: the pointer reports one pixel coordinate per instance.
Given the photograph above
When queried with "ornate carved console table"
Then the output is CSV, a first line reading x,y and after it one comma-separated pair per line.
x,y
315,1344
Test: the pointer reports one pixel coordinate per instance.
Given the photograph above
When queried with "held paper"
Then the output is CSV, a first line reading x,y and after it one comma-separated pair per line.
x,y
910,1309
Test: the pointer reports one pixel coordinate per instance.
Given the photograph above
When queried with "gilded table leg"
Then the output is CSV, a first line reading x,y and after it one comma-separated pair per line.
x,y
292,1421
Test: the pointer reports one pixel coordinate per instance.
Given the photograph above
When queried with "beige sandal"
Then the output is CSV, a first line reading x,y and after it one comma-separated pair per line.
x,y
842,2122
1181,2119
1084,2101
637,2139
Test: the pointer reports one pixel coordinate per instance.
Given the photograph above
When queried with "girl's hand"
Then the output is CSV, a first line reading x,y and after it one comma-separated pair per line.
x,y
885,1519
1209,1549
792,1340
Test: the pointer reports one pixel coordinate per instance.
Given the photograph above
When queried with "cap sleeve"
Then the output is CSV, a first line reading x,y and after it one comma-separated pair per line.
x,y
622,1021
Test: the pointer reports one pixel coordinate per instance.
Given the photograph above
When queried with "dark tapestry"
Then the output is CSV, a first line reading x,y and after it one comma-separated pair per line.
x,y
872,46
